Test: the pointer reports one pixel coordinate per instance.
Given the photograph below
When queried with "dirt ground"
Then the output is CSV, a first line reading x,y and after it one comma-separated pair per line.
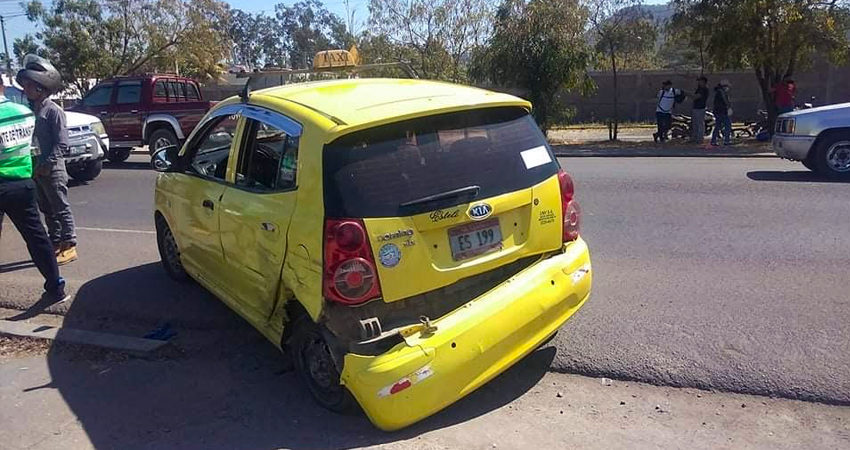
x,y
83,400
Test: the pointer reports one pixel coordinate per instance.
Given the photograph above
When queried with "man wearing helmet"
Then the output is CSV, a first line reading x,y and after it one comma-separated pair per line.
x,y
40,79
17,193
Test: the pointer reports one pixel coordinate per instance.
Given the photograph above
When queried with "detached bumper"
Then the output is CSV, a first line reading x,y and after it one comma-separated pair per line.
x,y
792,147
473,344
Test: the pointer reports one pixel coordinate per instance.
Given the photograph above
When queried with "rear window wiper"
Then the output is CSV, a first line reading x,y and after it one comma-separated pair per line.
x,y
471,191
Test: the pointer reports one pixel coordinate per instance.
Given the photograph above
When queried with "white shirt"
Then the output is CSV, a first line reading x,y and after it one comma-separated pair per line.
x,y
666,100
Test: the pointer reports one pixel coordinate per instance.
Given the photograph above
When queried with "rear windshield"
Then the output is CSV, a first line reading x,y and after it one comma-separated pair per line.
x,y
433,162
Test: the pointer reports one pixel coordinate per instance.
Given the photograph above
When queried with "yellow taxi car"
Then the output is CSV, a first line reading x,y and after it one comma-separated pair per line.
x,y
403,241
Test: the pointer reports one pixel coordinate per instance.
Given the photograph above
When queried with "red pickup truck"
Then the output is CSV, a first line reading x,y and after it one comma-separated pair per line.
x,y
152,110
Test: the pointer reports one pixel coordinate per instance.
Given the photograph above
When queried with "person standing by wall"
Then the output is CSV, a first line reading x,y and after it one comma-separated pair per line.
x,y
722,108
667,98
698,113
17,193
40,79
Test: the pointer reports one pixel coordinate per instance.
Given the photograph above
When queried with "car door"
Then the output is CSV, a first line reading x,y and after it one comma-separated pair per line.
x,y
127,115
256,209
197,197
97,103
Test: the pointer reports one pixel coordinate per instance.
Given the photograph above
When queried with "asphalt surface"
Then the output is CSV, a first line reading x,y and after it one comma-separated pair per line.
x,y
726,274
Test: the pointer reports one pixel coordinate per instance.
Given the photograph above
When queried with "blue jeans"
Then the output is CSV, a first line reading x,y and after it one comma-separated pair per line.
x,y
723,124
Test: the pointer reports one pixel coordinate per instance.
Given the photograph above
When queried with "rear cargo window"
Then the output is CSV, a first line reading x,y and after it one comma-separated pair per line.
x,y
391,170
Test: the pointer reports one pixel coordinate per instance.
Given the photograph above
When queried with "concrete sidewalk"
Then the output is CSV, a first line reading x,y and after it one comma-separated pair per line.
x,y
244,401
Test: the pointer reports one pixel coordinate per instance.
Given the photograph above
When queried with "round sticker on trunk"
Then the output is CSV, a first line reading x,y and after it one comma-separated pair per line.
x,y
390,255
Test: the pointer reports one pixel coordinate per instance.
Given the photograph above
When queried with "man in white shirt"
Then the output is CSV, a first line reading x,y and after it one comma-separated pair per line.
x,y
664,109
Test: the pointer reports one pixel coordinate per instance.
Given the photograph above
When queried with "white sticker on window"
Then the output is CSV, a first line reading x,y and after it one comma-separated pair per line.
x,y
536,156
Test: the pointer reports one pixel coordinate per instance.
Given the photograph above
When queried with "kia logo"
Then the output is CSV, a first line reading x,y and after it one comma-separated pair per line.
x,y
480,211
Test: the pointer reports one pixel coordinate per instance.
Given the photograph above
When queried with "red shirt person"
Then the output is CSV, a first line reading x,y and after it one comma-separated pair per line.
x,y
785,95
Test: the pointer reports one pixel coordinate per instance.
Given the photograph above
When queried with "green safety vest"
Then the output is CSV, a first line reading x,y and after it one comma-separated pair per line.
x,y
16,127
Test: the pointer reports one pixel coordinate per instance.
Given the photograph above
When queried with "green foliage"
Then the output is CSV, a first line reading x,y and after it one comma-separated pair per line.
x,y
93,39
290,38
436,36
538,45
772,37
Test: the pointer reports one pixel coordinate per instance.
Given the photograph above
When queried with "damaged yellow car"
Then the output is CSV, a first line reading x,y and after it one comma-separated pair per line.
x,y
403,241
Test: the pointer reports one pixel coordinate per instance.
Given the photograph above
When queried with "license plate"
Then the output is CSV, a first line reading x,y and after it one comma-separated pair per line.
x,y
475,238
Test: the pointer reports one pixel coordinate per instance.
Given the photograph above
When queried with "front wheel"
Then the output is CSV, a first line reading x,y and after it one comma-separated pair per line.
x,y
169,253
833,156
315,366
161,138
88,172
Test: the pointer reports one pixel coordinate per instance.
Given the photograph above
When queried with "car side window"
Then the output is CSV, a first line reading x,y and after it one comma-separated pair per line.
x,y
212,148
192,92
159,89
129,92
174,91
268,161
99,96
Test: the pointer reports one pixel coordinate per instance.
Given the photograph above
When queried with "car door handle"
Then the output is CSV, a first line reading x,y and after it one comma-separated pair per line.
x,y
103,113
134,111
268,226
208,204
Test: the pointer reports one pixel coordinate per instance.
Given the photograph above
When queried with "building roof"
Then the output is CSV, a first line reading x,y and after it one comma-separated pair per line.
x,y
355,102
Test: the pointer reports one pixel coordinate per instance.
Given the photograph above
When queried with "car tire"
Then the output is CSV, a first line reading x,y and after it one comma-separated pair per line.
x,y
169,253
809,162
161,137
833,156
118,155
88,172
314,364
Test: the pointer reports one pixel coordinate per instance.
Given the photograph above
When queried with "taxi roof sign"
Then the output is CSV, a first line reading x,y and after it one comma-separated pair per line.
x,y
330,59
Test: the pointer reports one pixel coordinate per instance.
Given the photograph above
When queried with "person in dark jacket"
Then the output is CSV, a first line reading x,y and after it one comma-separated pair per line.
x,y
698,111
40,79
722,108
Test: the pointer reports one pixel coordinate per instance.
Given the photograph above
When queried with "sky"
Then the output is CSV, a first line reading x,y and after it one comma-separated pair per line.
x,y
18,26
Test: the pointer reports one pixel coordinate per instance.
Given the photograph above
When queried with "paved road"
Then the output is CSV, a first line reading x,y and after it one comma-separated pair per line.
x,y
717,273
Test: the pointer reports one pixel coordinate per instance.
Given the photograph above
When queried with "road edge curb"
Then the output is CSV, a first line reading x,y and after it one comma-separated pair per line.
x,y
83,337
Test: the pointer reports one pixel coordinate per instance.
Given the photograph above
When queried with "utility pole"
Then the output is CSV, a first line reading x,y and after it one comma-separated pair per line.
x,y
6,47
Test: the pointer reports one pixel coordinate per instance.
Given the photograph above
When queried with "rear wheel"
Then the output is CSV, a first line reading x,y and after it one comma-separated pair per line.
x,y
833,156
169,253
315,365
161,138
118,155
87,172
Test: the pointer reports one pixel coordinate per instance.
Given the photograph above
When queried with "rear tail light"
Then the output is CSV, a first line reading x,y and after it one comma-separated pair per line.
x,y
570,209
349,274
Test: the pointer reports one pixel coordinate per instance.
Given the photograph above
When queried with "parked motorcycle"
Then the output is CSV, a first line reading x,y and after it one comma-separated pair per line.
x,y
681,128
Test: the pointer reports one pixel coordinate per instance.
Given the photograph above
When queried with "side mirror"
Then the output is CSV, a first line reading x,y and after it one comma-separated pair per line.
x,y
164,159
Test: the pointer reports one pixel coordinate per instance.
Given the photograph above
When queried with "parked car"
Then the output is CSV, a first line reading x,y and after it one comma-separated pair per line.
x,y
152,110
817,137
403,241
88,140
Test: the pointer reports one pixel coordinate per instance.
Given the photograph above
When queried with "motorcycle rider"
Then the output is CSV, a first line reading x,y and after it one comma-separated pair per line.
x,y
17,193
40,79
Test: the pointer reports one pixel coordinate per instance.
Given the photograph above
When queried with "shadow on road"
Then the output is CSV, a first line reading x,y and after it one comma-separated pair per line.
x,y
797,176
223,385
128,165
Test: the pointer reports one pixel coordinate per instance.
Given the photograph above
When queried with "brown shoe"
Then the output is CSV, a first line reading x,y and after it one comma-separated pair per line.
x,y
69,254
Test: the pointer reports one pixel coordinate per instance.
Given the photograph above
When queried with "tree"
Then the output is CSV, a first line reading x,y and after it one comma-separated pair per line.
x,y
436,36
309,28
538,45
773,38
92,39
623,31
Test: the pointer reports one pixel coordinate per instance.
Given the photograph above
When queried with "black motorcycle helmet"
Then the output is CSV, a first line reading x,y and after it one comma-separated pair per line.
x,y
41,72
